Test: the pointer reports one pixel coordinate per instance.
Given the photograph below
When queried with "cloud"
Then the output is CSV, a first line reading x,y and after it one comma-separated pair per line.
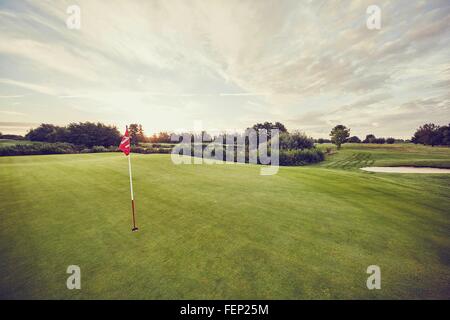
x,y
12,113
29,86
11,96
163,63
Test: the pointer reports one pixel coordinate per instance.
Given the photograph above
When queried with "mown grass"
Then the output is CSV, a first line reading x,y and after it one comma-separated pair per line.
x,y
355,156
222,231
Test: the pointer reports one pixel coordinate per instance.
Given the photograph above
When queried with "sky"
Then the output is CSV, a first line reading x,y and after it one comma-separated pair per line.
x,y
229,64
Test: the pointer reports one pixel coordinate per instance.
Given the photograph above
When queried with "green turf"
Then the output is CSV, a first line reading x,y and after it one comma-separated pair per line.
x,y
224,231
355,156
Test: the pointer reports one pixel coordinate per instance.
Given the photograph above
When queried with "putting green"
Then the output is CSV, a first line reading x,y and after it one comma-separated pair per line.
x,y
224,231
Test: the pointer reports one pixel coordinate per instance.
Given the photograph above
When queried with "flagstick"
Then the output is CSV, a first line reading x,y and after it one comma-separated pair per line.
x,y
132,196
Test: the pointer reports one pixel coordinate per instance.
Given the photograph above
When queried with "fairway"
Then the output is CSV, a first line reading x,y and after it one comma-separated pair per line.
x,y
224,231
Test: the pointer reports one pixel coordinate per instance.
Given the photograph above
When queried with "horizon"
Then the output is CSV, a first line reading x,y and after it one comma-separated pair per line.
x,y
197,131
167,64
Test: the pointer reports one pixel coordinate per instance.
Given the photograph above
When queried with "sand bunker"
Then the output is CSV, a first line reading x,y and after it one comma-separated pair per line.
x,y
406,169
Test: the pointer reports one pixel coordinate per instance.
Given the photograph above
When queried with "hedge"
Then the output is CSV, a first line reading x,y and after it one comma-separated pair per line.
x,y
38,148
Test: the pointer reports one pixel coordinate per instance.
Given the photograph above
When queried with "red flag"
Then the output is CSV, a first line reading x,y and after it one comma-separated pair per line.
x,y
125,143
125,146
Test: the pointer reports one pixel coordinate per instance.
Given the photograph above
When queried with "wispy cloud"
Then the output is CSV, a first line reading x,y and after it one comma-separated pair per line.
x,y
11,96
13,113
29,86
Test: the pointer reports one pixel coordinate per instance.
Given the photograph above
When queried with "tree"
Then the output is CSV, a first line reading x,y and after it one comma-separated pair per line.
x,y
390,140
445,135
92,134
370,138
141,136
133,130
280,126
339,135
47,133
428,134
136,133
162,137
353,139
295,141
379,140
269,125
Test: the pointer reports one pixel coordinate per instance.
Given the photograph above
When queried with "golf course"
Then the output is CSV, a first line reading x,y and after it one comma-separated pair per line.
x,y
223,231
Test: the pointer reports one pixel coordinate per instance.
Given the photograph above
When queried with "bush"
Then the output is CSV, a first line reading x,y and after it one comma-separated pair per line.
x,y
300,157
379,140
370,138
390,140
353,139
96,149
162,137
150,150
138,149
38,148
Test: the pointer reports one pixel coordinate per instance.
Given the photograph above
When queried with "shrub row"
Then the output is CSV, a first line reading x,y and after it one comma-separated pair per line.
x,y
150,150
67,148
98,149
38,148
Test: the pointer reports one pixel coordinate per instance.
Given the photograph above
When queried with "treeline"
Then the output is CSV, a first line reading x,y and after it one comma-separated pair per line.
x,y
428,134
432,135
86,134
370,138
165,136
39,148
295,147
85,137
